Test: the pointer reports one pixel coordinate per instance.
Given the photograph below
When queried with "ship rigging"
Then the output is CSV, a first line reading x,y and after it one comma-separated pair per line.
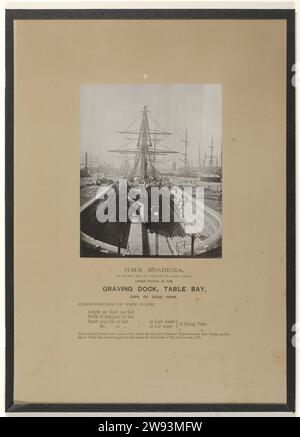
x,y
146,149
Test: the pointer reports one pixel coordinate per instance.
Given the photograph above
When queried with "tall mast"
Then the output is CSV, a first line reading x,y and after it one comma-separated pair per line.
x,y
211,153
145,151
144,142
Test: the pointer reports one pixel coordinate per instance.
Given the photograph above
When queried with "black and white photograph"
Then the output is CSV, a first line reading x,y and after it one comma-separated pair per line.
x,y
150,214
151,170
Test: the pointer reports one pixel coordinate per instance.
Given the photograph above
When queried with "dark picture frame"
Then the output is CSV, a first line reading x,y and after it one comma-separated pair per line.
x,y
151,14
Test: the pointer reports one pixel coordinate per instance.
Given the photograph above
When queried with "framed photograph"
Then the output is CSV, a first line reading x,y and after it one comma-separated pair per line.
x,y
150,210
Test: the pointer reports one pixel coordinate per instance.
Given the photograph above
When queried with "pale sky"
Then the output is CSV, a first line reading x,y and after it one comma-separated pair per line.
x,y
106,109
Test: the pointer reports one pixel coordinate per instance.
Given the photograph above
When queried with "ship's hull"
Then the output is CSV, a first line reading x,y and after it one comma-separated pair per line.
x,y
211,178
